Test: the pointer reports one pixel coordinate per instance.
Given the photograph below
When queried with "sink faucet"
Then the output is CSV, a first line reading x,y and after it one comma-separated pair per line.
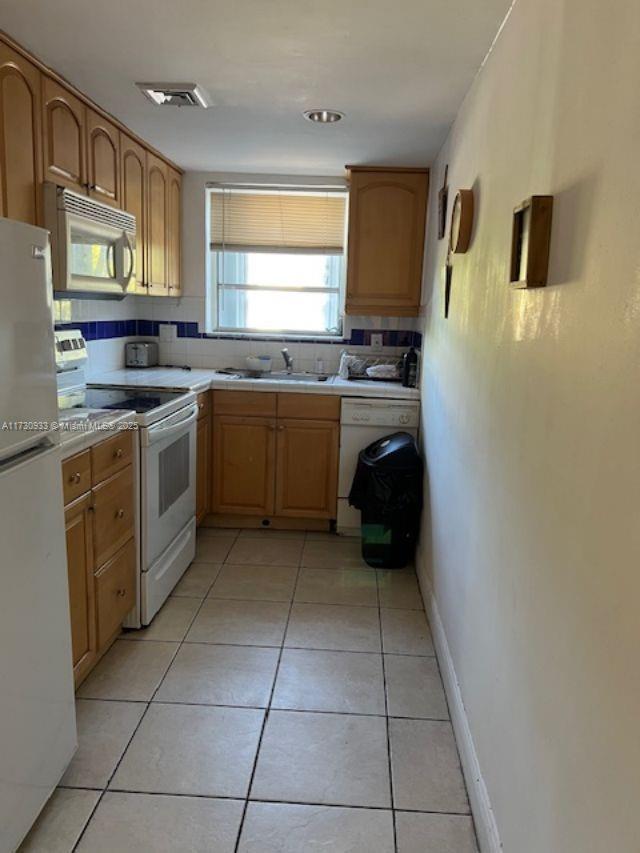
x,y
287,359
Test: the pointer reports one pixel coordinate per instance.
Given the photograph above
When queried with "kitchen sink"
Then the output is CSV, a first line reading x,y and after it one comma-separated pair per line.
x,y
292,377
274,375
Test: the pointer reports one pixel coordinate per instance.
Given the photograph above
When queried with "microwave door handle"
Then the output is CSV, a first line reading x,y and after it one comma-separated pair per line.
x,y
111,260
128,246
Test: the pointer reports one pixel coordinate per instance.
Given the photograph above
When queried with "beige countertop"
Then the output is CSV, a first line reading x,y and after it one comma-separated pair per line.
x,y
201,380
83,428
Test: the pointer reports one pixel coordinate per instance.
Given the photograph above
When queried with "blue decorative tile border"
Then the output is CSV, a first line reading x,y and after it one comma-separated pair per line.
x,y
99,330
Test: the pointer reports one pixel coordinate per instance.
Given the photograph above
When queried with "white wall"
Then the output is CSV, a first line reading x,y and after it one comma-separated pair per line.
x,y
532,431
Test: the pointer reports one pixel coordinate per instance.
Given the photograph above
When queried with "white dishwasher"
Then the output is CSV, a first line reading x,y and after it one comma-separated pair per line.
x,y
362,421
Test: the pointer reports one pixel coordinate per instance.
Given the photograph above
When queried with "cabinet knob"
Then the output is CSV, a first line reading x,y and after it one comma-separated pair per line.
x,y
281,428
121,593
75,478
119,453
120,513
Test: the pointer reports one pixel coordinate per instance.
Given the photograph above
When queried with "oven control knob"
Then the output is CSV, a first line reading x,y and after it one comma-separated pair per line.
x,y
404,419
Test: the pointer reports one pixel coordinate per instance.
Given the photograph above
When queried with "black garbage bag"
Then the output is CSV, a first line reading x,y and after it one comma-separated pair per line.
x,y
387,489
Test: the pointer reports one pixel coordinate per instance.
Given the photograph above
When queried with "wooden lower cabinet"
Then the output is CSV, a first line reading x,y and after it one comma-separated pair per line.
x,y
280,467
115,593
76,476
307,469
101,553
79,536
203,454
243,465
113,503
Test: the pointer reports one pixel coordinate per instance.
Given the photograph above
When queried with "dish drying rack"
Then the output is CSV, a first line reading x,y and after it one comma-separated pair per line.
x,y
355,367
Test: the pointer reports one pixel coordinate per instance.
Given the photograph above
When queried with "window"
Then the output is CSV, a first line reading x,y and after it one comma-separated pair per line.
x,y
277,260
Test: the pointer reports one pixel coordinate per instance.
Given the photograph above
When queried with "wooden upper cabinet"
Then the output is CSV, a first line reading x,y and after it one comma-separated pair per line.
x,y
80,564
307,469
173,231
103,159
133,198
64,136
157,218
387,215
243,465
20,137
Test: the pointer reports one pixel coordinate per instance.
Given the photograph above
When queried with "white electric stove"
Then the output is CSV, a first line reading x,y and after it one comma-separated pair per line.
x,y
167,452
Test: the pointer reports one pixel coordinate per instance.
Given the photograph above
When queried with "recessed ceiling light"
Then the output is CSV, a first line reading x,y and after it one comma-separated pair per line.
x,y
323,116
175,94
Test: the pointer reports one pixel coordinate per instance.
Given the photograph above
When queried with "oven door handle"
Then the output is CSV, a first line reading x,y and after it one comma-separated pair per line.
x,y
160,433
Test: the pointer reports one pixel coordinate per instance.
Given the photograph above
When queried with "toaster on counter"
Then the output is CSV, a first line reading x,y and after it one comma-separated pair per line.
x,y
141,354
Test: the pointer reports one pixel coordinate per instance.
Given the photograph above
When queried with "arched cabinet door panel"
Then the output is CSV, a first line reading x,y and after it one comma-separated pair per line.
x,y
173,232
103,159
64,134
133,198
157,212
387,217
20,137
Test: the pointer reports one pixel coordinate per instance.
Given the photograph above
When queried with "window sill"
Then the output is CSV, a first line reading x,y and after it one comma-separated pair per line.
x,y
289,337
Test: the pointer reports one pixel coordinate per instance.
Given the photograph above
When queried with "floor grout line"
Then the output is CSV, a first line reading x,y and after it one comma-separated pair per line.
x,y
269,706
268,709
266,801
386,708
262,646
133,734
190,703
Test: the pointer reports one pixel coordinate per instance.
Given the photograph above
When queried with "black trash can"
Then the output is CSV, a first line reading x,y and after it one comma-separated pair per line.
x,y
387,489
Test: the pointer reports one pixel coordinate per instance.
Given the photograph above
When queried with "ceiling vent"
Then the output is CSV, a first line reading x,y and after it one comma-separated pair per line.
x,y
175,94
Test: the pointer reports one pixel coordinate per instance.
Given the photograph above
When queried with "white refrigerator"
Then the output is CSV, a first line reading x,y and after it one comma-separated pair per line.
x,y
37,717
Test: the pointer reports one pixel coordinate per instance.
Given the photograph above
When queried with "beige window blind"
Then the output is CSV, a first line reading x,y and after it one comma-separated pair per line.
x,y
277,221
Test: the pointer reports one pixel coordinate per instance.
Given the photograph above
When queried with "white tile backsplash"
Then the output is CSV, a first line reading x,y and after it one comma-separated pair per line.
x,y
105,355
208,352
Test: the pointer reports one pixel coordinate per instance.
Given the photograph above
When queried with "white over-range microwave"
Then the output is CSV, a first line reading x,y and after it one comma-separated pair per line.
x,y
93,245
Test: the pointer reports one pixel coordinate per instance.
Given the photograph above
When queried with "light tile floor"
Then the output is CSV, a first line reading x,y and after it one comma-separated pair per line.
x,y
286,699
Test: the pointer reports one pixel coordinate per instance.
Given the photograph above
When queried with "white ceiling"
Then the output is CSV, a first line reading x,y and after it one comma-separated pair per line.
x,y
398,70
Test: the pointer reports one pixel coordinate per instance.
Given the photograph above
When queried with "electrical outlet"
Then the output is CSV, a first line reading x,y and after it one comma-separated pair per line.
x,y
376,342
167,332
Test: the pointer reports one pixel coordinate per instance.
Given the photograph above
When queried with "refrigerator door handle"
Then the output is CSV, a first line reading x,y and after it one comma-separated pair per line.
x,y
43,446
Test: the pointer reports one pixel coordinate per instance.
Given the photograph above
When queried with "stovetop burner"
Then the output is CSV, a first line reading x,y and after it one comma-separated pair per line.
x,y
139,400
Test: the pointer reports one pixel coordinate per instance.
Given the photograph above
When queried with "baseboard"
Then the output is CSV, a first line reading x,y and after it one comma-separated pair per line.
x,y
486,828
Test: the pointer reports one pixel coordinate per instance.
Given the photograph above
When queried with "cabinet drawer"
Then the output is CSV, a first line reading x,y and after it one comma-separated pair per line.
x,y
315,407
115,592
113,515
111,455
76,476
204,404
259,403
